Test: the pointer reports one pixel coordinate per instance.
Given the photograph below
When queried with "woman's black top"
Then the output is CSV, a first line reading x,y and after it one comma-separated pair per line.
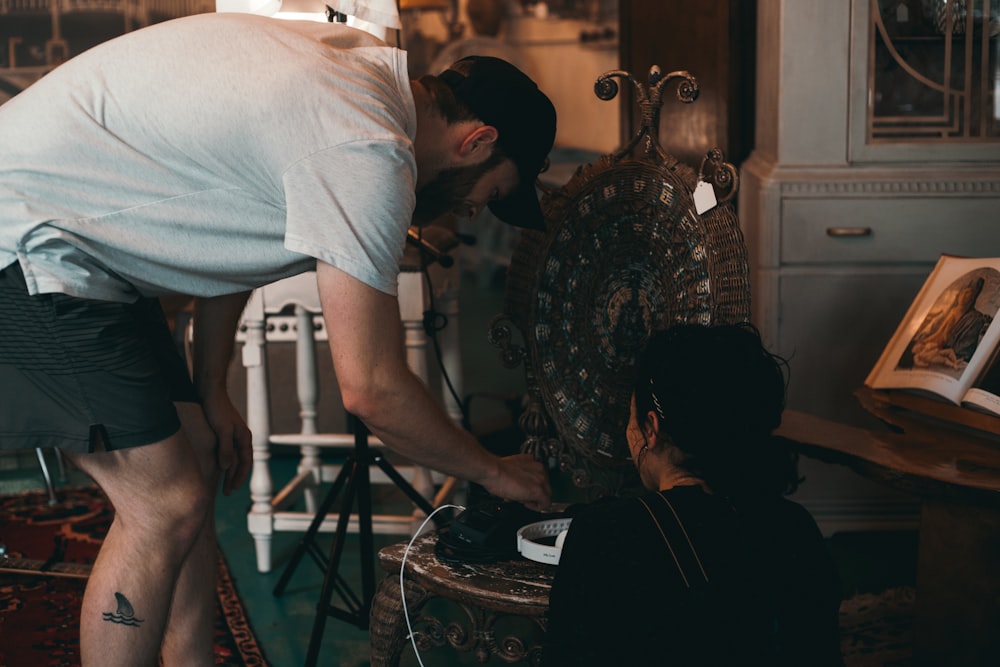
x,y
703,584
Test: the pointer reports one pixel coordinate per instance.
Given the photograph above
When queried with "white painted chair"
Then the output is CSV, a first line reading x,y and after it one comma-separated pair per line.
x,y
266,319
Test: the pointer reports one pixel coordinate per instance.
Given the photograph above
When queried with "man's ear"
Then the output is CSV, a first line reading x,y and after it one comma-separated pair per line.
x,y
478,140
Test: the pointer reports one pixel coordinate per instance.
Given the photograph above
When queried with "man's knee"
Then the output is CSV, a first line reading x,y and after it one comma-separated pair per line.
x,y
190,505
172,516
157,489
191,495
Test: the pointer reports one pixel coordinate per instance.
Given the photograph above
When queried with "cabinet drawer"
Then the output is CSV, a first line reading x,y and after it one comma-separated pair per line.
x,y
888,230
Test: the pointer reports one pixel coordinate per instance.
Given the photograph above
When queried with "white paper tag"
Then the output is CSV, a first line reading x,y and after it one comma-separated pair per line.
x,y
704,197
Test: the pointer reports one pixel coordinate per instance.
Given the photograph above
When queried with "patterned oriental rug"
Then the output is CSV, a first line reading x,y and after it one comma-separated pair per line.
x,y
876,629
49,551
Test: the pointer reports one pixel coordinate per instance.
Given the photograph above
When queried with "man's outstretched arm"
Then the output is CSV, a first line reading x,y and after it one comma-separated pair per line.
x,y
377,386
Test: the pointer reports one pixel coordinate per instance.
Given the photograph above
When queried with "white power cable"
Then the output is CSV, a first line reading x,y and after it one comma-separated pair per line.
x,y
402,569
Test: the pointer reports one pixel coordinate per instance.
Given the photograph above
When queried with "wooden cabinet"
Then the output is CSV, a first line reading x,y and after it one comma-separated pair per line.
x,y
924,80
843,225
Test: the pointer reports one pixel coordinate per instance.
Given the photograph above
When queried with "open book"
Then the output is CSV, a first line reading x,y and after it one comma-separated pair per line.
x,y
947,344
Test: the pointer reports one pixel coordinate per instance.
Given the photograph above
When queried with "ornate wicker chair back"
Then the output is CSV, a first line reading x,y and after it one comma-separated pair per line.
x,y
625,252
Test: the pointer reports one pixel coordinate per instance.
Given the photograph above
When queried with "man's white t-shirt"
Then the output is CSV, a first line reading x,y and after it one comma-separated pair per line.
x,y
208,155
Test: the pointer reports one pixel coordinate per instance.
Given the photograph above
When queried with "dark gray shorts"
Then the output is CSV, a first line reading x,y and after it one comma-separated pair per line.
x,y
77,371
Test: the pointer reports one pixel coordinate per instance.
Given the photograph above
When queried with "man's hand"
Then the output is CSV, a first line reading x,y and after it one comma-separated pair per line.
x,y
523,479
234,451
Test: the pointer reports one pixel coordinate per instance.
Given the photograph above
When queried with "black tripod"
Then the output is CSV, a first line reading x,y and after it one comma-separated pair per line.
x,y
354,479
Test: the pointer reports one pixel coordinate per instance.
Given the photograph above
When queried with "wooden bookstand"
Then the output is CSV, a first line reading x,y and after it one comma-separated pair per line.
x,y
950,457
908,411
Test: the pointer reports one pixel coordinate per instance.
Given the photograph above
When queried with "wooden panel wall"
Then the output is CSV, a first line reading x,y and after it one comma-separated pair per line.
x,y
714,40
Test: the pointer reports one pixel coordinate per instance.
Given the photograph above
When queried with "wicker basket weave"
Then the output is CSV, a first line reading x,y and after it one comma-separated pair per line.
x,y
624,254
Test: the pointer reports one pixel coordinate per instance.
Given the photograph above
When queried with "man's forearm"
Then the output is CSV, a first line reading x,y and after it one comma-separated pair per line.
x,y
410,422
215,321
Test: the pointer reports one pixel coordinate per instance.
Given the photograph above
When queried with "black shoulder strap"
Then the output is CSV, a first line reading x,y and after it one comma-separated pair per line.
x,y
678,542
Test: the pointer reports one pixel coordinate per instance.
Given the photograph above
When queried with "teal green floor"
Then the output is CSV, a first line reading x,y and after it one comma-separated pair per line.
x,y
284,624
868,562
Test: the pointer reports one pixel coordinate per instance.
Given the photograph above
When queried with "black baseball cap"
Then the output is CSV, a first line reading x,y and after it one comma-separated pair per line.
x,y
503,96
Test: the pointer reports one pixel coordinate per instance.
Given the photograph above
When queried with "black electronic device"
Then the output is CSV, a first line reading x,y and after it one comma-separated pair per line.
x,y
486,532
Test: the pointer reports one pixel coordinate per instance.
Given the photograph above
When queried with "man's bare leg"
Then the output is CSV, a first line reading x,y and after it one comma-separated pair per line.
x,y
160,501
189,637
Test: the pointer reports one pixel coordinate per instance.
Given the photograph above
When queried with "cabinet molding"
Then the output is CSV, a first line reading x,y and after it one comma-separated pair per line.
x,y
891,187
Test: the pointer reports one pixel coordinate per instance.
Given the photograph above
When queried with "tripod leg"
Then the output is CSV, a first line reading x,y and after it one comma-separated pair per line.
x,y
365,533
330,580
358,488
356,473
404,486
308,541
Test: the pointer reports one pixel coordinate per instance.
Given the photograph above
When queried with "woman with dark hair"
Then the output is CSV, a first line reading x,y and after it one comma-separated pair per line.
x,y
713,566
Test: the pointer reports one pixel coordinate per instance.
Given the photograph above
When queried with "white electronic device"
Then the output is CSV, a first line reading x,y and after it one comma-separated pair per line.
x,y
530,548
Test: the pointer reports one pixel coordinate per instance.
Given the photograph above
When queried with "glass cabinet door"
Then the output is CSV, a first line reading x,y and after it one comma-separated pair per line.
x,y
925,80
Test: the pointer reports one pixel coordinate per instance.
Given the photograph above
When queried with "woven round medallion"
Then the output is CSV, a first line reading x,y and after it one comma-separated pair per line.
x,y
627,257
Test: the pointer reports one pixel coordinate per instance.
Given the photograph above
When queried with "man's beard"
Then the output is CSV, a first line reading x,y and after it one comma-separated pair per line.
x,y
447,192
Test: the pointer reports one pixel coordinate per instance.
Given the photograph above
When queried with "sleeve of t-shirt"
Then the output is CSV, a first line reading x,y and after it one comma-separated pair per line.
x,y
350,206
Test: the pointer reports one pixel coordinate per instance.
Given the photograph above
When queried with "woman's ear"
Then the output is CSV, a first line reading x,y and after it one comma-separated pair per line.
x,y
651,428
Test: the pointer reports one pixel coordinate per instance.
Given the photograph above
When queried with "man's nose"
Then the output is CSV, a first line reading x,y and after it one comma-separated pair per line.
x,y
468,210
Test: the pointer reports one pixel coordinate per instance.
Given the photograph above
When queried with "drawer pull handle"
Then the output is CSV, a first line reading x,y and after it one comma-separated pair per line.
x,y
848,231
